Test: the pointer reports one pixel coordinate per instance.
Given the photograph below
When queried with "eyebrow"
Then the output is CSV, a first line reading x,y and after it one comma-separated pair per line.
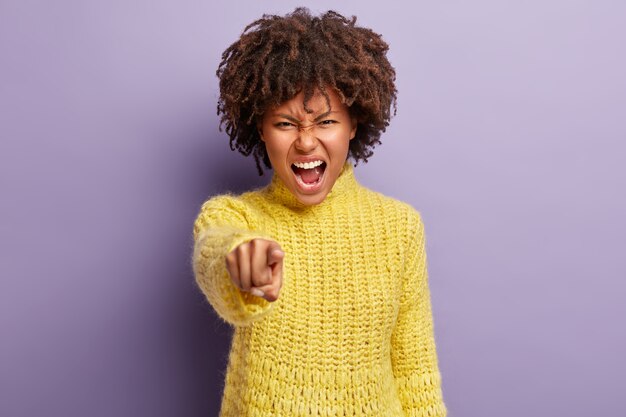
x,y
293,119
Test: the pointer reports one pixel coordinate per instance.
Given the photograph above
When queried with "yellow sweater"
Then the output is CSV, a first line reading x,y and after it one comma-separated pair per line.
x,y
351,333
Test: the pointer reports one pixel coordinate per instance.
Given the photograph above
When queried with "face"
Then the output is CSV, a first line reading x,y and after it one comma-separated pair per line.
x,y
308,150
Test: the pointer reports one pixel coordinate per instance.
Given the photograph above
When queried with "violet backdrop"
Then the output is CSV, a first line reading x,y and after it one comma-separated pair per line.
x,y
509,139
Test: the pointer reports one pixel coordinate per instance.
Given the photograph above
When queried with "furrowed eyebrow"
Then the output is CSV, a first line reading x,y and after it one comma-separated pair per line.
x,y
323,115
295,120
286,116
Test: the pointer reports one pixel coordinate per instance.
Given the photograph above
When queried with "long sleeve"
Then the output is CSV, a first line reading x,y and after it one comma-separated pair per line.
x,y
221,226
413,353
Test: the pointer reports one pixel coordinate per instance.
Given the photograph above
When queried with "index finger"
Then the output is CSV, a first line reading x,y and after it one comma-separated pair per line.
x,y
274,254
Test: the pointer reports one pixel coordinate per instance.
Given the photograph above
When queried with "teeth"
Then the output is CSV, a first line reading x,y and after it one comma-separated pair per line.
x,y
308,165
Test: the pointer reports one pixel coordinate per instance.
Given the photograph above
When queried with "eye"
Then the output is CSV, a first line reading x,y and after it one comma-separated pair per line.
x,y
327,122
284,125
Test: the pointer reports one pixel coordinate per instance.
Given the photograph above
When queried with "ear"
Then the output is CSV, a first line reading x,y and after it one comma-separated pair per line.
x,y
353,129
259,128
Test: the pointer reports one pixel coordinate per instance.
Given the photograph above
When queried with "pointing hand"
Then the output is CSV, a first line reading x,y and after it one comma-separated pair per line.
x,y
257,267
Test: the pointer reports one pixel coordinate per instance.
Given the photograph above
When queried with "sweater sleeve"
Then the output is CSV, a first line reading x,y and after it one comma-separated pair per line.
x,y
413,354
221,226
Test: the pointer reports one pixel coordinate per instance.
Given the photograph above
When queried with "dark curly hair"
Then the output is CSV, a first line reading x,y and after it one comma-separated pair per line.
x,y
277,57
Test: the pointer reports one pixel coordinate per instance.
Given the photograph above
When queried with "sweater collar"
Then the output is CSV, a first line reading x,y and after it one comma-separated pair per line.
x,y
344,186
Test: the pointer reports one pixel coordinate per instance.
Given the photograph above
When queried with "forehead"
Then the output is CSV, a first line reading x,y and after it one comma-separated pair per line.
x,y
317,104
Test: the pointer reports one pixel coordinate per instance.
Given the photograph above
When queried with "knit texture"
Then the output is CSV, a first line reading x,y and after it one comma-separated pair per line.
x,y
351,333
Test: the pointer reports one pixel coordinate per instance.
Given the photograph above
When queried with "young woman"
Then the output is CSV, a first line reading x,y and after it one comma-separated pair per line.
x,y
324,280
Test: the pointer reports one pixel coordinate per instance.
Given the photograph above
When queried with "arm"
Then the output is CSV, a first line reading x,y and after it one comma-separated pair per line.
x,y
413,354
220,227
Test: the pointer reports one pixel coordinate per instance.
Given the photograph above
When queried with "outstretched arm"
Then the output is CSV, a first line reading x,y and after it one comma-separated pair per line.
x,y
413,354
220,227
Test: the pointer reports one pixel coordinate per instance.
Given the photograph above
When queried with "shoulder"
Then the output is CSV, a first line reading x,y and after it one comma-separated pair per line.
x,y
222,202
226,209
394,209
242,203
399,219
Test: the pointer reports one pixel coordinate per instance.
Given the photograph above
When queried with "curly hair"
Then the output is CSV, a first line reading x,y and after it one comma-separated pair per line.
x,y
277,57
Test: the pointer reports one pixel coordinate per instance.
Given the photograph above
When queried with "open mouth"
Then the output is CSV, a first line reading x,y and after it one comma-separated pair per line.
x,y
311,175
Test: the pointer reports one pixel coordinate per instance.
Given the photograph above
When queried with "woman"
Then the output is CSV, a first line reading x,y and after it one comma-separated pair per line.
x,y
324,280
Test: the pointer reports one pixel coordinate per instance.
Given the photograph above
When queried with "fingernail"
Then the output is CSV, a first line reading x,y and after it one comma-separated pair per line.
x,y
257,292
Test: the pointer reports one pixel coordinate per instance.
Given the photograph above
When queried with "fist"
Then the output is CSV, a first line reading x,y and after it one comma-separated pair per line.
x,y
257,267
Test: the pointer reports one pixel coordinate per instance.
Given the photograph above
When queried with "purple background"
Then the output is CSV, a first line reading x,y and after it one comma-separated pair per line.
x,y
509,140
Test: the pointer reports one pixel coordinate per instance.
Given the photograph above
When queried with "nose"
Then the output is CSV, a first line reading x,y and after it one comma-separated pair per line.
x,y
306,141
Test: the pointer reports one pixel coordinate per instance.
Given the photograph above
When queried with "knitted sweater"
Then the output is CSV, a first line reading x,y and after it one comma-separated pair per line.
x,y
351,333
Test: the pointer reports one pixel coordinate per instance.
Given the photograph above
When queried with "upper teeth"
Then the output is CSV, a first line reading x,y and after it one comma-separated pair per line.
x,y
308,165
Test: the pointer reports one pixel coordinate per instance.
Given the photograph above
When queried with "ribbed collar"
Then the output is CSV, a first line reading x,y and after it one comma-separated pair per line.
x,y
344,187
